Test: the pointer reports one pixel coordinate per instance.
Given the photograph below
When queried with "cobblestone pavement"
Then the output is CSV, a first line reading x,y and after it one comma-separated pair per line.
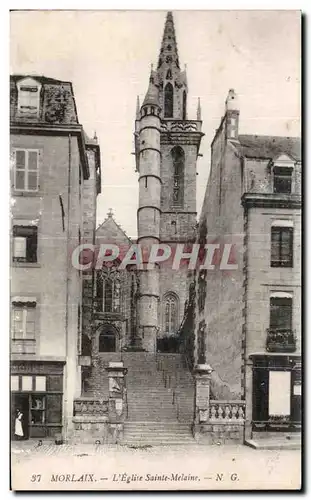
x,y
91,467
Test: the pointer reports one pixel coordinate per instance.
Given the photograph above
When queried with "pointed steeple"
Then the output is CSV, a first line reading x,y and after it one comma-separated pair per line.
x,y
152,96
199,109
137,108
168,52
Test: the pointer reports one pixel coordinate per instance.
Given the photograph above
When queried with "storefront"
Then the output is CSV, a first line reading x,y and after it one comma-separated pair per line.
x,y
276,393
37,394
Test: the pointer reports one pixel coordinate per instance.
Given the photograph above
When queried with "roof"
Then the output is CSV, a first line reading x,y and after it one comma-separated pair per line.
x,y
57,102
268,146
90,141
152,96
112,232
42,79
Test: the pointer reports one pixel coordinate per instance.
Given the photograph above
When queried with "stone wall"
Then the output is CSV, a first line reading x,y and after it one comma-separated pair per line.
x,y
222,215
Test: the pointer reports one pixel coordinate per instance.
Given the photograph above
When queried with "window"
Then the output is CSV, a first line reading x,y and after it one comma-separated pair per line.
x,y
23,320
280,313
26,171
27,383
281,247
108,294
171,314
40,383
184,105
14,382
28,100
168,101
107,339
37,409
282,180
25,242
178,175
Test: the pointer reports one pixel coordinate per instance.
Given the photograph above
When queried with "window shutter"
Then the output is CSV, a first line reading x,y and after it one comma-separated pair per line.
x,y
19,244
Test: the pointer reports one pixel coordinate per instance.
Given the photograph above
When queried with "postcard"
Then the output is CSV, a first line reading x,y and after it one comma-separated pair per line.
x,y
155,163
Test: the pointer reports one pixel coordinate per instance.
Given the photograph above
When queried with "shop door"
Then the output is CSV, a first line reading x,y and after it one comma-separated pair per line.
x,y
20,402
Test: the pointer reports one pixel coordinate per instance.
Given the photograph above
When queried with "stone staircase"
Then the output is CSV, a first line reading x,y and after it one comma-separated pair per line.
x,y
275,441
160,398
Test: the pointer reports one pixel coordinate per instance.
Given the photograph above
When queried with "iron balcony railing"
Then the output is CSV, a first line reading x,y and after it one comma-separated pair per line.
x,y
280,340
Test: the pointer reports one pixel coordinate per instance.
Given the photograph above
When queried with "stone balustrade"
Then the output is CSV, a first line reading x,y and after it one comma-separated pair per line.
x,y
181,126
226,411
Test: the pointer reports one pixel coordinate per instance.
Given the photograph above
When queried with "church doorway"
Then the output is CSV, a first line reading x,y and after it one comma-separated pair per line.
x,y
108,337
168,344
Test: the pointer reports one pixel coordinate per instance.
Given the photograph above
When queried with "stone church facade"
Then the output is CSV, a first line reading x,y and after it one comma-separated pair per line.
x,y
142,310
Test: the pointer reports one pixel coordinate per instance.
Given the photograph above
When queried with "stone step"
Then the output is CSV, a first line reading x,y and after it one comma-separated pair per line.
x,y
274,444
155,425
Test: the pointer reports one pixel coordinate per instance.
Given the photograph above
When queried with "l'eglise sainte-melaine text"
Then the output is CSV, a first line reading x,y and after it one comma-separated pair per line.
x,y
128,478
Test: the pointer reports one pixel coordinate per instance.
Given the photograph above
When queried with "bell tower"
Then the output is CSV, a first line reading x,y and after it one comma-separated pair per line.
x,y
167,145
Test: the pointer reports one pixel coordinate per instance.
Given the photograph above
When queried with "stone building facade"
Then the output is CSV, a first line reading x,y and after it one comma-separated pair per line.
x,y
51,159
247,321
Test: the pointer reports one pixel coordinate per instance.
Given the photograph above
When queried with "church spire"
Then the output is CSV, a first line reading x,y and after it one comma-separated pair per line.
x,y
137,108
168,52
152,96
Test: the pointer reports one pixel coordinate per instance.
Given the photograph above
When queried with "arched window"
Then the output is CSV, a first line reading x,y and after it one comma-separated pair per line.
x,y
108,292
168,101
178,156
170,314
107,341
184,105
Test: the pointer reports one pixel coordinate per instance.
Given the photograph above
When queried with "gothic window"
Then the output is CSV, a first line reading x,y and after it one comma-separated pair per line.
x,y
170,314
184,105
168,100
108,292
178,156
169,74
169,59
169,47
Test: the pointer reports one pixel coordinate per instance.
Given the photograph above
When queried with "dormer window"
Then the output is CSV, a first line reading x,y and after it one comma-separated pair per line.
x,y
282,175
282,180
28,102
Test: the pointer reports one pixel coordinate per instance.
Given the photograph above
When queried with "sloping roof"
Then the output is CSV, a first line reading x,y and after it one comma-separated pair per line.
x,y
112,232
42,79
268,147
88,140
152,96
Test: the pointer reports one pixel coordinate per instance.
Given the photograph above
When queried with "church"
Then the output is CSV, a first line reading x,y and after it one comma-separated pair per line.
x,y
142,310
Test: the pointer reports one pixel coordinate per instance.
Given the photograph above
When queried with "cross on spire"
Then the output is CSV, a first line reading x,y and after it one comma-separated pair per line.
x,y
110,213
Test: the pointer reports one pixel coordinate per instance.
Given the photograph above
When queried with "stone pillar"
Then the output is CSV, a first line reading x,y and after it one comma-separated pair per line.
x,y
202,375
248,398
117,403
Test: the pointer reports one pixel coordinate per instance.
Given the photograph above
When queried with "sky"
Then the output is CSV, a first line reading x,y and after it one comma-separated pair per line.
x,y
107,56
